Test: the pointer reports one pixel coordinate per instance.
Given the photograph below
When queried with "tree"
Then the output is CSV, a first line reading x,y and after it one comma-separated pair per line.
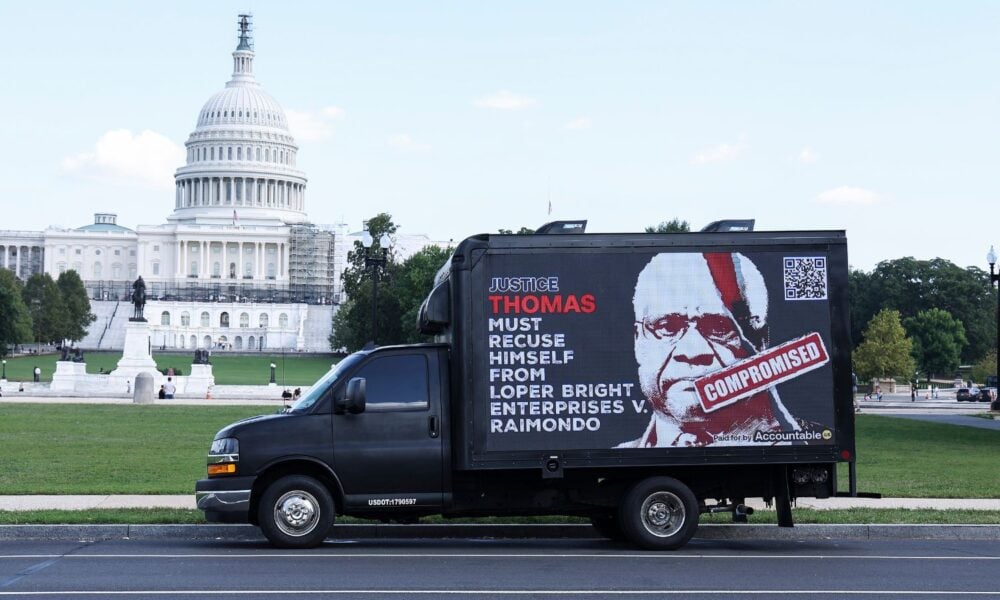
x,y
671,226
15,320
938,339
886,349
45,304
521,231
352,323
911,286
987,366
413,282
74,296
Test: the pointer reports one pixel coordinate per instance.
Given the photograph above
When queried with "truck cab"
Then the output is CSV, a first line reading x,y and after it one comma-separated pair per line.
x,y
368,437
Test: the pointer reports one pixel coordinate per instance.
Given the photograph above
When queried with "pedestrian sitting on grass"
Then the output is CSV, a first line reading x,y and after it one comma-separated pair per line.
x,y
170,388
286,395
162,394
298,392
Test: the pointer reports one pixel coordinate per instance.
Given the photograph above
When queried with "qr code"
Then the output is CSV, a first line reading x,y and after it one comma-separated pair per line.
x,y
805,278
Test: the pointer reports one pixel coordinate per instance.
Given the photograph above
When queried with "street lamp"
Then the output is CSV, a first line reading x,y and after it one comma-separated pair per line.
x,y
4,376
375,258
273,366
991,257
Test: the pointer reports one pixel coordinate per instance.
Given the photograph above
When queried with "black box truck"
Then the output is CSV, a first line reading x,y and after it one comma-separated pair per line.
x,y
639,380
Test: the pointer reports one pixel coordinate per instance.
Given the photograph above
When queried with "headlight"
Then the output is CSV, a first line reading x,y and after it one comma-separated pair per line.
x,y
223,457
225,446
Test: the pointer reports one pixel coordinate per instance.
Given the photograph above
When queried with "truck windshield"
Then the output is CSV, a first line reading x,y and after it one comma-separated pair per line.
x,y
316,391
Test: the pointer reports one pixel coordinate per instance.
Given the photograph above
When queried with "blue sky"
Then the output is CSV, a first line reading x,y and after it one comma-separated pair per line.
x,y
464,117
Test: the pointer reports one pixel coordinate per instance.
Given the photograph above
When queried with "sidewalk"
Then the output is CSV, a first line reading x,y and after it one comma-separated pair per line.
x,y
187,501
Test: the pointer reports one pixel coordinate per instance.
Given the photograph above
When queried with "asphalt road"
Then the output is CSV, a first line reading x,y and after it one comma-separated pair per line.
x,y
509,569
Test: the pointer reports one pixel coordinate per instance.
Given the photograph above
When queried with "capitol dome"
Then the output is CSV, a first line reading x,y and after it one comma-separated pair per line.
x,y
241,156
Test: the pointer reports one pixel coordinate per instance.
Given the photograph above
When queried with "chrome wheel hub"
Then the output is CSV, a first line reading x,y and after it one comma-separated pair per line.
x,y
296,513
663,514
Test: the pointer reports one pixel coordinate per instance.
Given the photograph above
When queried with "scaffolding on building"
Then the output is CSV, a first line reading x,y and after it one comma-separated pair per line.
x,y
312,262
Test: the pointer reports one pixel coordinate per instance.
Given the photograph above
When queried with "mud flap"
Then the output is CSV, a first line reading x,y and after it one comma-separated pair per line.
x,y
782,496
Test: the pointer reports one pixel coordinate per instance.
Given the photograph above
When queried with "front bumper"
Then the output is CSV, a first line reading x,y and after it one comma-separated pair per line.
x,y
225,499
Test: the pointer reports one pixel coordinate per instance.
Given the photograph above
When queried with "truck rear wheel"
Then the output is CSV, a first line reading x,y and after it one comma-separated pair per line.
x,y
296,512
659,513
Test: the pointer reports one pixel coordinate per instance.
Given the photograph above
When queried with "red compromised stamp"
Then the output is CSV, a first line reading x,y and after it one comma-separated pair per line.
x,y
761,371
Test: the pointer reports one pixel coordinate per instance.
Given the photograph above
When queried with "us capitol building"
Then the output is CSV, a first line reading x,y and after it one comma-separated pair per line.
x,y
238,265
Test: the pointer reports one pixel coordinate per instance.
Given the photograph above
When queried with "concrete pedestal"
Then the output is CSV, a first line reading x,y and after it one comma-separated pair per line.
x,y
136,357
68,375
200,380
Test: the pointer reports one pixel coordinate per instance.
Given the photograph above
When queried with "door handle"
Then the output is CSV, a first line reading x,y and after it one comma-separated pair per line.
x,y
433,428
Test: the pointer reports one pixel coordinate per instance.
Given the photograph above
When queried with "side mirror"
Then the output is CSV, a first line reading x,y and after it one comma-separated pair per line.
x,y
354,400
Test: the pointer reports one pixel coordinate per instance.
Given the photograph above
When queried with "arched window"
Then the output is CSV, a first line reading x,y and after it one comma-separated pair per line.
x,y
194,342
283,320
232,270
239,153
258,154
248,270
164,318
116,271
264,319
224,320
204,319
185,319
216,269
244,320
156,268
97,270
213,153
194,268
229,155
250,343
271,270
238,343
207,341
267,155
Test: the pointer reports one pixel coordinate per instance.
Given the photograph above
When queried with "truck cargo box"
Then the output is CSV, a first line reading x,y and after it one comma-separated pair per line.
x,y
592,350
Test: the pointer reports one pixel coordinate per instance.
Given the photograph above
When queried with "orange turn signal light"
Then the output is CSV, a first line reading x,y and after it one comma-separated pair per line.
x,y
222,469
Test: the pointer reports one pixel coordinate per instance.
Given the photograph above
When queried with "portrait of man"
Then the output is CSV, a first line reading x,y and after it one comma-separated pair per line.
x,y
696,314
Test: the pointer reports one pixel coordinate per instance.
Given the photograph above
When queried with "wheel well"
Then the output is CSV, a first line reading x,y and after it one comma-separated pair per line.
x,y
293,467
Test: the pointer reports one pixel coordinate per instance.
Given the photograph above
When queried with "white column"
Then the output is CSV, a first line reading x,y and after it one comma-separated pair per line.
x,y
203,248
17,262
243,191
239,250
177,260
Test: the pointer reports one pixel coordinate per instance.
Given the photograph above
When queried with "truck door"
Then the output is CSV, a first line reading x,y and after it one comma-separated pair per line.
x,y
390,455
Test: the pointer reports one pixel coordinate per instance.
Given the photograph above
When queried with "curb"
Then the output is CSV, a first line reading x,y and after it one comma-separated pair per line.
x,y
483,531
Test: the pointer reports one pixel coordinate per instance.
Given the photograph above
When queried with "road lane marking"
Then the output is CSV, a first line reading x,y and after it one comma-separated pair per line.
x,y
363,592
369,555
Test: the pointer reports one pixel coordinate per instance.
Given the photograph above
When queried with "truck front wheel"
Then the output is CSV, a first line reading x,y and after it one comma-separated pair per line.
x,y
296,512
659,513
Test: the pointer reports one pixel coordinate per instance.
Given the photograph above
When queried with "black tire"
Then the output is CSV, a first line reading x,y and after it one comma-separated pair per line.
x,y
659,513
296,512
608,526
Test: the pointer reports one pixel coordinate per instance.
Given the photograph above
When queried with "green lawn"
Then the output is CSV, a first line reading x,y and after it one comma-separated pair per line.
x,y
101,449
906,458
142,449
254,369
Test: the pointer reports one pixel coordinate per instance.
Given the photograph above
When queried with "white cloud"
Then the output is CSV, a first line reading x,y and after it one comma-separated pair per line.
x,y
579,123
505,100
148,158
806,156
849,196
403,141
722,153
313,125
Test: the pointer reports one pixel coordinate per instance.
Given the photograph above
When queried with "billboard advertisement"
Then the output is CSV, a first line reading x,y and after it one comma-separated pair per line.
x,y
647,349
